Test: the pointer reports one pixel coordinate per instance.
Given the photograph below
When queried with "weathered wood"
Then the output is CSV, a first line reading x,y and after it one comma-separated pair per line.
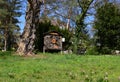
x,y
52,41
26,45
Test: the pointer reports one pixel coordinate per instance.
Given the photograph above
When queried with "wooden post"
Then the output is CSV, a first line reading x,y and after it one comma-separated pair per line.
x,y
44,49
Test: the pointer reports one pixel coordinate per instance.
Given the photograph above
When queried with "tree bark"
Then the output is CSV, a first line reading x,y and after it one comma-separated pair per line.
x,y
26,44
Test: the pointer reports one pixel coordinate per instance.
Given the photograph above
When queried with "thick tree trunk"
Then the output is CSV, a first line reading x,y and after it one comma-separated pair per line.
x,y
26,45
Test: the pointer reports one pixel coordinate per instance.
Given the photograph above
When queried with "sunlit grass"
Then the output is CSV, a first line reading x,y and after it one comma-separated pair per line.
x,y
59,68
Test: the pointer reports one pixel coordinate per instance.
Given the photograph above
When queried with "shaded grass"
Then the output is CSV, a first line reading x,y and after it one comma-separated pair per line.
x,y
59,68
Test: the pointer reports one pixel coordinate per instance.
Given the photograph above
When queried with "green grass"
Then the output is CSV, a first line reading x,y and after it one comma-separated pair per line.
x,y
59,68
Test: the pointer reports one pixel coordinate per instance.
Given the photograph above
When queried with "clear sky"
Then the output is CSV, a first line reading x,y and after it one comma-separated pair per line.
x,y
22,22
22,17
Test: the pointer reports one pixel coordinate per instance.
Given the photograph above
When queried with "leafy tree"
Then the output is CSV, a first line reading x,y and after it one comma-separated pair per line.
x,y
3,12
80,32
107,27
9,28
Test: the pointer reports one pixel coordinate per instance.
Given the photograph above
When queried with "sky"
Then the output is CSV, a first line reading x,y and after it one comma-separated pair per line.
x,y
22,22
22,17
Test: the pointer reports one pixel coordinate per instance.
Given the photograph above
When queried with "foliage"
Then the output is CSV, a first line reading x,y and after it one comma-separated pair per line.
x,y
42,28
91,51
6,53
9,30
59,68
80,31
107,28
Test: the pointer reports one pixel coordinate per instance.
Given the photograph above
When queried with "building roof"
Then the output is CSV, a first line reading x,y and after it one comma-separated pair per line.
x,y
53,33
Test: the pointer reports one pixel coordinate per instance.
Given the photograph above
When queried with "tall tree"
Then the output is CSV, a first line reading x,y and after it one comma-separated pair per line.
x,y
3,13
26,45
108,28
80,25
10,12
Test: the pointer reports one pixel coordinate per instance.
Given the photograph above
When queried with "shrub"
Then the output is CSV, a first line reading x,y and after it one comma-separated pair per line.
x,y
105,50
6,53
92,51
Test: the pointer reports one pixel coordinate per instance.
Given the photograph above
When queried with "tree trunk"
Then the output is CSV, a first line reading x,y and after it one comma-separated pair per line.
x,y
68,23
5,44
26,45
5,38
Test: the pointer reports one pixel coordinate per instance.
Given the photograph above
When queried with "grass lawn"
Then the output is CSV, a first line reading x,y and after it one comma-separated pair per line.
x,y
59,68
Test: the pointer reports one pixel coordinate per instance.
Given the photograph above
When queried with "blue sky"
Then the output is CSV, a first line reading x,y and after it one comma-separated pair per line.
x,y
22,17
22,22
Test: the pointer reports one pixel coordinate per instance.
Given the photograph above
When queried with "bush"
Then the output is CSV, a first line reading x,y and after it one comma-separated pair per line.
x,y
6,53
92,51
106,50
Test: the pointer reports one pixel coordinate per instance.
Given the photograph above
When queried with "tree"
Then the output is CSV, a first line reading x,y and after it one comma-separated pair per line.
x,y
63,12
3,12
9,28
107,28
80,32
26,45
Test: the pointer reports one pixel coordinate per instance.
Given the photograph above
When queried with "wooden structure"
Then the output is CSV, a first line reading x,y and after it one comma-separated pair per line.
x,y
52,41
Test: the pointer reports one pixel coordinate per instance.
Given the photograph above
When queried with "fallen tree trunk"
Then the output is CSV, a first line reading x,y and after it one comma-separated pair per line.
x,y
26,44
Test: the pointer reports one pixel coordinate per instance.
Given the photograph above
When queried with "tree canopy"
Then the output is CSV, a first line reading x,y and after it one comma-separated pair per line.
x,y
9,30
107,27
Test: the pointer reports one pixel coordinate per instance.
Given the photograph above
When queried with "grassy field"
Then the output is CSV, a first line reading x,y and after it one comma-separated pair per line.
x,y
59,68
